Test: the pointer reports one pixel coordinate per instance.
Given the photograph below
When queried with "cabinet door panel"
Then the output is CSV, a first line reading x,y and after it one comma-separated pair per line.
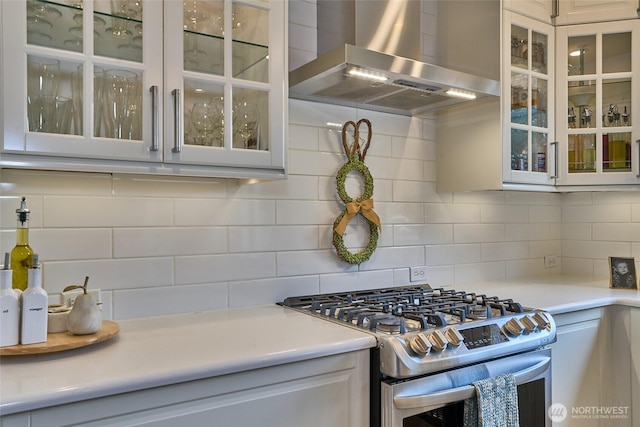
x,y
586,11
596,103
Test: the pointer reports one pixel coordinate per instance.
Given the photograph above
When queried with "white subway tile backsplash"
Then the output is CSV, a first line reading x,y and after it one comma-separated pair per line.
x,y
504,251
503,213
302,263
413,148
160,241
465,273
314,163
268,291
201,212
296,212
273,238
136,303
393,168
66,211
540,213
155,186
480,197
610,198
360,281
595,249
400,213
451,213
222,268
298,187
478,233
8,206
53,244
303,137
617,232
33,182
534,231
109,274
411,191
437,255
538,249
302,37
303,13
597,213
422,234
576,231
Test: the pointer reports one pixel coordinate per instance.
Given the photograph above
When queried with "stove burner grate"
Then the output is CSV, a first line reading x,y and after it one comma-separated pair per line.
x,y
396,310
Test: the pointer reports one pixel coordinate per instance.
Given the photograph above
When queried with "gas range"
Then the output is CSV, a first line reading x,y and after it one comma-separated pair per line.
x,y
421,330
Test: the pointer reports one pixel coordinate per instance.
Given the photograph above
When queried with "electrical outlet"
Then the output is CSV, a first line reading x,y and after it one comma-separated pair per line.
x,y
550,261
69,297
418,273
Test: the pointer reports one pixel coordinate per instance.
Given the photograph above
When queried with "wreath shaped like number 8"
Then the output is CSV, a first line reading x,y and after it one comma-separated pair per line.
x,y
362,205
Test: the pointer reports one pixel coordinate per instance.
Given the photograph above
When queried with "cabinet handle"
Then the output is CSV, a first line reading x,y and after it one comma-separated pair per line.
x,y
638,158
553,149
155,134
177,108
555,8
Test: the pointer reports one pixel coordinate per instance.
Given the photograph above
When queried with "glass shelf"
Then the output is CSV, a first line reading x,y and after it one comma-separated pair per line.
x,y
204,53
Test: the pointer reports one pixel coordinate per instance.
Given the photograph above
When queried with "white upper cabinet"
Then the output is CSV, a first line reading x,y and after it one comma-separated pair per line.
x,y
541,10
145,86
598,100
506,143
587,11
528,101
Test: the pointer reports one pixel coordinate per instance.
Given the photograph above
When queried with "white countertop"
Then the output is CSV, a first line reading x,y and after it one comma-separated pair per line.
x,y
165,350
557,294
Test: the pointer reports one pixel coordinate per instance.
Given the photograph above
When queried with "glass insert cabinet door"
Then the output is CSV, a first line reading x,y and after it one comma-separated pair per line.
x,y
79,74
224,64
528,110
600,100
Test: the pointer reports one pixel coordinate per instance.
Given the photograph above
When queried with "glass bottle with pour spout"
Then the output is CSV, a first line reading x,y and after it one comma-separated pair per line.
x,y
22,254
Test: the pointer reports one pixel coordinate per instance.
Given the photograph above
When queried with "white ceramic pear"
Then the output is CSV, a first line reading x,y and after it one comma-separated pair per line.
x,y
85,316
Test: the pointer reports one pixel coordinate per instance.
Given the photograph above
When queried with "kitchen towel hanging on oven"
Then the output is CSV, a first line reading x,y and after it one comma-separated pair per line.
x,y
495,404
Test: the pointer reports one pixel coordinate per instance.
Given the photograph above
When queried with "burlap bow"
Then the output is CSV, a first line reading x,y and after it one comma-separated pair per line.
x,y
353,208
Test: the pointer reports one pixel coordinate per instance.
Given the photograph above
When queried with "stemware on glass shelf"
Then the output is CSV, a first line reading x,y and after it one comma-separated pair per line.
x,y
121,92
246,122
208,123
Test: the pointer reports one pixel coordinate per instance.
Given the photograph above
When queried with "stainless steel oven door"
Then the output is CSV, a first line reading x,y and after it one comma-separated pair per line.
x,y
438,399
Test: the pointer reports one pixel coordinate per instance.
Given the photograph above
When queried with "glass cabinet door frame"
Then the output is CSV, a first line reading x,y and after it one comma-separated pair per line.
x,y
599,177
15,50
175,150
546,178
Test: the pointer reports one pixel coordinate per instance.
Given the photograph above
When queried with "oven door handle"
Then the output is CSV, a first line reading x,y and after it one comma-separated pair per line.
x,y
465,392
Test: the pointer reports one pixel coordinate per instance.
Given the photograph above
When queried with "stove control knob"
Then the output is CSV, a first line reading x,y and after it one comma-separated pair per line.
x,y
513,327
454,336
438,340
420,344
541,320
529,324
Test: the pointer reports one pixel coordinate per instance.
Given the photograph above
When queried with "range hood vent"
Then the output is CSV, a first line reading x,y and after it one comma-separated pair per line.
x,y
402,85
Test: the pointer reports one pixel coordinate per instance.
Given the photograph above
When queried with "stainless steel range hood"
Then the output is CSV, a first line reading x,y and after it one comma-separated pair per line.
x,y
410,87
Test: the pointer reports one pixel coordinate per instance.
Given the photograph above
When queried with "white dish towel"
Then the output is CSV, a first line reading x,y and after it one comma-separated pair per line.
x,y
495,404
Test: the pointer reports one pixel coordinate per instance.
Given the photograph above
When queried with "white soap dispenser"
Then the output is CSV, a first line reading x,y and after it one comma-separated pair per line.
x,y
9,308
34,307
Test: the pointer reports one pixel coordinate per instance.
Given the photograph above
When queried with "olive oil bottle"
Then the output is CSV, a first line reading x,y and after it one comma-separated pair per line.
x,y
22,254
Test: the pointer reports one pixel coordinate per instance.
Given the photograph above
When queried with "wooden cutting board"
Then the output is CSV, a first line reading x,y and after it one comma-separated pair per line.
x,y
63,341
